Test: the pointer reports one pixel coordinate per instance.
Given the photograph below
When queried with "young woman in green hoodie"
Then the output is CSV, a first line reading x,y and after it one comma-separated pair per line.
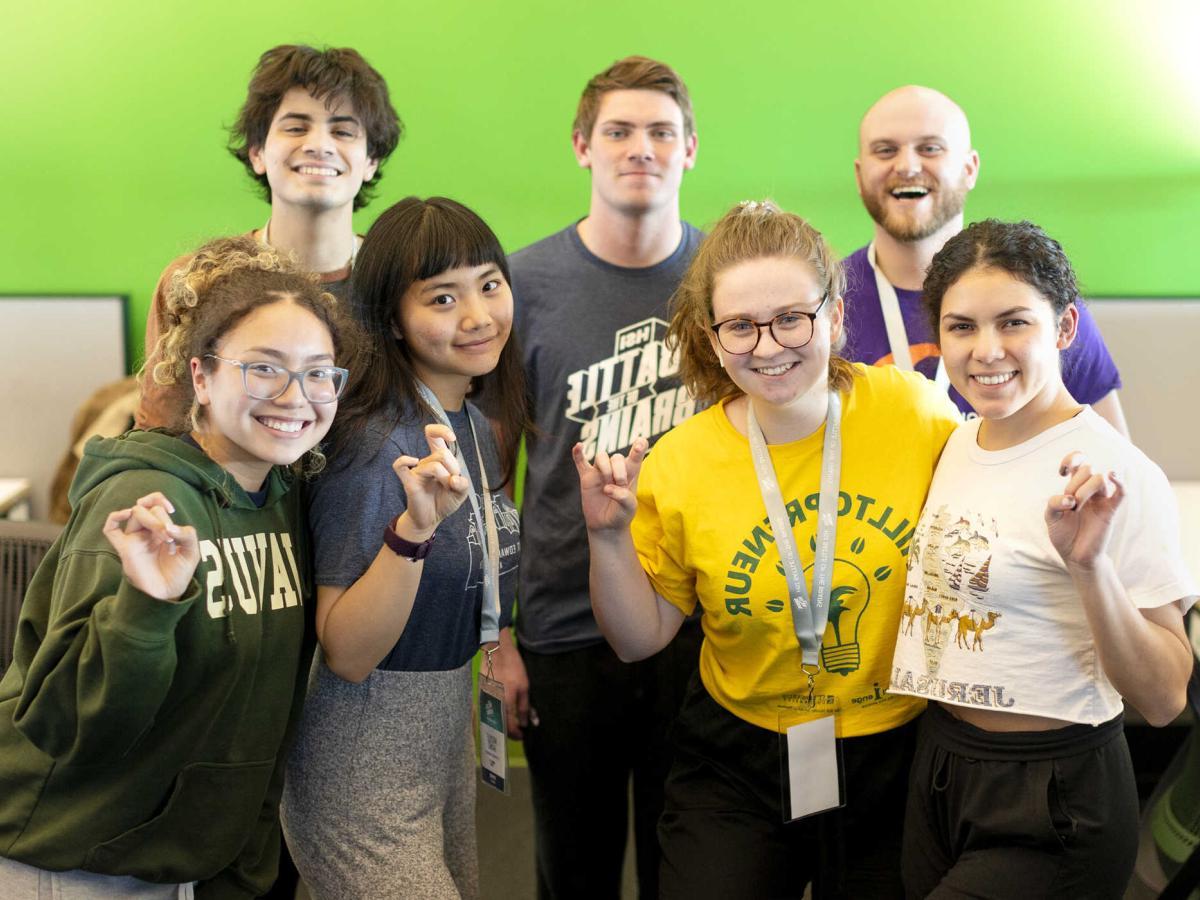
x,y
163,642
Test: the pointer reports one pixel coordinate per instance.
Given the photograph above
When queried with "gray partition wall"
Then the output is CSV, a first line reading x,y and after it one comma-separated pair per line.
x,y
55,351
1156,343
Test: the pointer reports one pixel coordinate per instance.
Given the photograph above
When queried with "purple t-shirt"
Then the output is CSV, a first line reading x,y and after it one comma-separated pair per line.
x,y
1088,370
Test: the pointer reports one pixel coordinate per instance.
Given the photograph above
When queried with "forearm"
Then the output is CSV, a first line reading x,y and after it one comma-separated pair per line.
x,y
636,622
1147,662
95,686
362,624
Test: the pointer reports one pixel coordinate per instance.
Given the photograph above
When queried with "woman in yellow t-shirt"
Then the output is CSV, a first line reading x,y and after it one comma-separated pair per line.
x,y
757,322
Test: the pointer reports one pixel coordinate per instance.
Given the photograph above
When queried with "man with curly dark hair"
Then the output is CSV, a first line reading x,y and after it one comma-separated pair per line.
x,y
314,131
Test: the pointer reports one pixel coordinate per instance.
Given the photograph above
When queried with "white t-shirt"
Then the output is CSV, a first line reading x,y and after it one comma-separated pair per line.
x,y
991,617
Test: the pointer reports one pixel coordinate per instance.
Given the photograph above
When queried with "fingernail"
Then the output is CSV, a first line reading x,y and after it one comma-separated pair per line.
x,y
1062,470
533,718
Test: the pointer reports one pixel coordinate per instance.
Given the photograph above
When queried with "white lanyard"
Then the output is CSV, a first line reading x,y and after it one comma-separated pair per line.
x,y
266,239
808,619
893,321
485,523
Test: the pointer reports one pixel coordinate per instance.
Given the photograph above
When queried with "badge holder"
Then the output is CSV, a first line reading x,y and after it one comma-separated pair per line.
x,y
493,744
811,768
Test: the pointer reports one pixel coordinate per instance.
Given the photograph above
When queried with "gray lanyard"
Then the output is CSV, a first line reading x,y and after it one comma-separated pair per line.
x,y
485,524
808,619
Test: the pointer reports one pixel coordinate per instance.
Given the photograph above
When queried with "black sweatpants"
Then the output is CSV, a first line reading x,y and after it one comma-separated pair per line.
x,y
1019,815
722,831
603,722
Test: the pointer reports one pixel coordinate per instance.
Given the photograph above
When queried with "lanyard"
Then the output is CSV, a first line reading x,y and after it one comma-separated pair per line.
x,y
807,618
485,524
893,321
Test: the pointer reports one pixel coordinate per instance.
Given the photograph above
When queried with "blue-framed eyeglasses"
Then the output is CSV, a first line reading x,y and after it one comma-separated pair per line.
x,y
266,381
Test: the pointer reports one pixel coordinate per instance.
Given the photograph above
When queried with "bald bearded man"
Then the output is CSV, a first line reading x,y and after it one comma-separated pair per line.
x,y
914,169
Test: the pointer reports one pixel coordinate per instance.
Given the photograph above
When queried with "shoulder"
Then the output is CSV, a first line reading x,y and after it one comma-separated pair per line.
x,y
858,270
890,387
549,249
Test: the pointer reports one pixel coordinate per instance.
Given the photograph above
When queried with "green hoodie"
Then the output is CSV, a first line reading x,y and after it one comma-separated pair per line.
x,y
144,738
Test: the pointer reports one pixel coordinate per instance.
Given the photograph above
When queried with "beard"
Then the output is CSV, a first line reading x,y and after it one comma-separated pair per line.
x,y
947,204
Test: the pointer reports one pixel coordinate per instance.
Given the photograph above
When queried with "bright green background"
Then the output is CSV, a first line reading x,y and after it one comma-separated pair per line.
x,y
1086,114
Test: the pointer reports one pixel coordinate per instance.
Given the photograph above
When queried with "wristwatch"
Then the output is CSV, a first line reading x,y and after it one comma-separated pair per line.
x,y
410,550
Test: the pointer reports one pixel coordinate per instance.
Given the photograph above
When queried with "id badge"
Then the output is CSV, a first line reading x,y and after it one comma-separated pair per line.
x,y
493,748
811,769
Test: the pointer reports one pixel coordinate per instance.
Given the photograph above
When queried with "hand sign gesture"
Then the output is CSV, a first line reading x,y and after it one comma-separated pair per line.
x,y
608,488
1079,520
435,486
157,556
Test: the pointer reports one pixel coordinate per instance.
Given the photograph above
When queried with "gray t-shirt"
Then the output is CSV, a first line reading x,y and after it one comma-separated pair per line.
x,y
352,501
592,334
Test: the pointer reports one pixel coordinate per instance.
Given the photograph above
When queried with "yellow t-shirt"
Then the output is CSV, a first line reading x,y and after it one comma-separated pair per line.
x,y
702,535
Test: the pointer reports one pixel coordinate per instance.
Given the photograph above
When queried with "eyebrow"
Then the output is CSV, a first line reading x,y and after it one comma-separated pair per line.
x,y
443,285
276,354
1000,315
660,124
305,117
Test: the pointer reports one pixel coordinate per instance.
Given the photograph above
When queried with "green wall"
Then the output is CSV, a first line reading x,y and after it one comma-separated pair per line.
x,y
1086,114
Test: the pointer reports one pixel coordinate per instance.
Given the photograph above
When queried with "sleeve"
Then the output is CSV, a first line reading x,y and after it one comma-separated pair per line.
x,y
153,410
1089,371
349,506
659,541
1145,547
105,663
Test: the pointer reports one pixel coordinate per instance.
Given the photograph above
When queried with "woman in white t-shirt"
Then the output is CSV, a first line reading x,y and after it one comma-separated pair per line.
x,y
1045,584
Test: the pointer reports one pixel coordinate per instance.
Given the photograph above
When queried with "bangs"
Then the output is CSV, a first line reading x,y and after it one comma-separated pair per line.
x,y
453,237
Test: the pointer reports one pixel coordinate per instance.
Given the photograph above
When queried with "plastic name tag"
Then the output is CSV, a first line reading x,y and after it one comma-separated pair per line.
x,y
493,749
812,769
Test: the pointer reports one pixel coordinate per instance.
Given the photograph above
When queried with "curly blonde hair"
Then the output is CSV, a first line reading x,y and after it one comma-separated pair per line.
x,y
751,230
206,297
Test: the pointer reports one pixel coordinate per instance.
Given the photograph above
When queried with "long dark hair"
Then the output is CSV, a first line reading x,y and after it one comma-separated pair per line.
x,y
412,241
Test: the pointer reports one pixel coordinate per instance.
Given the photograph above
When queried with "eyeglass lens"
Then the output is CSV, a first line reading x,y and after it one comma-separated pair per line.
x,y
319,385
790,329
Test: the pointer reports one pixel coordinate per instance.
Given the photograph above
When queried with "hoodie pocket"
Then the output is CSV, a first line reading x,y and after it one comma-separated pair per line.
x,y
207,819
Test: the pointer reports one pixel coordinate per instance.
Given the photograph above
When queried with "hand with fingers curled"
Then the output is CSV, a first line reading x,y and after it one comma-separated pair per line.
x,y
608,486
1079,520
158,556
433,485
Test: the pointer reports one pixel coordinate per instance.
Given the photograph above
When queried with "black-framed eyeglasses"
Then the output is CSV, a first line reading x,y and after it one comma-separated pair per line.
x,y
266,381
792,329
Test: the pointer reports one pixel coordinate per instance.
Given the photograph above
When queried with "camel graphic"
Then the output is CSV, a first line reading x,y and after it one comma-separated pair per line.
x,y
970,624
911,613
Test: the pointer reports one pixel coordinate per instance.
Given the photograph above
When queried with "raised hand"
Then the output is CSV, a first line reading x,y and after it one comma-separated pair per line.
x,y
608,488
1079,520
434,485
157,556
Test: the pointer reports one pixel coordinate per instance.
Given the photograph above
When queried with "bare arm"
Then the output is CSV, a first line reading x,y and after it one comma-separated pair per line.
x,y
1109,406
357,626
635,620
1144,652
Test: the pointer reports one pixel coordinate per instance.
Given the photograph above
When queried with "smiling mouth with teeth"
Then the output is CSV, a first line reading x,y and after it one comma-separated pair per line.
x,y
317,170
911,192
775,370
287,426
1000,378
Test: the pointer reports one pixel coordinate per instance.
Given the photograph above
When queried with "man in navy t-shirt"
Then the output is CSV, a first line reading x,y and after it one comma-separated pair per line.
x,y
914,169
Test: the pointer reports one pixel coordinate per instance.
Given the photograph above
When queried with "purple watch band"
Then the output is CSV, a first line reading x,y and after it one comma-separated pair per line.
x,y
401,547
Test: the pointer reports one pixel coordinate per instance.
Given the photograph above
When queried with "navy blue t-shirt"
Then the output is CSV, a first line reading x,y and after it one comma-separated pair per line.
x,y
354,499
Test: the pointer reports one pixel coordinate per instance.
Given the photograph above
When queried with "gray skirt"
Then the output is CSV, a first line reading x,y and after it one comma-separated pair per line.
x,y
379,799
